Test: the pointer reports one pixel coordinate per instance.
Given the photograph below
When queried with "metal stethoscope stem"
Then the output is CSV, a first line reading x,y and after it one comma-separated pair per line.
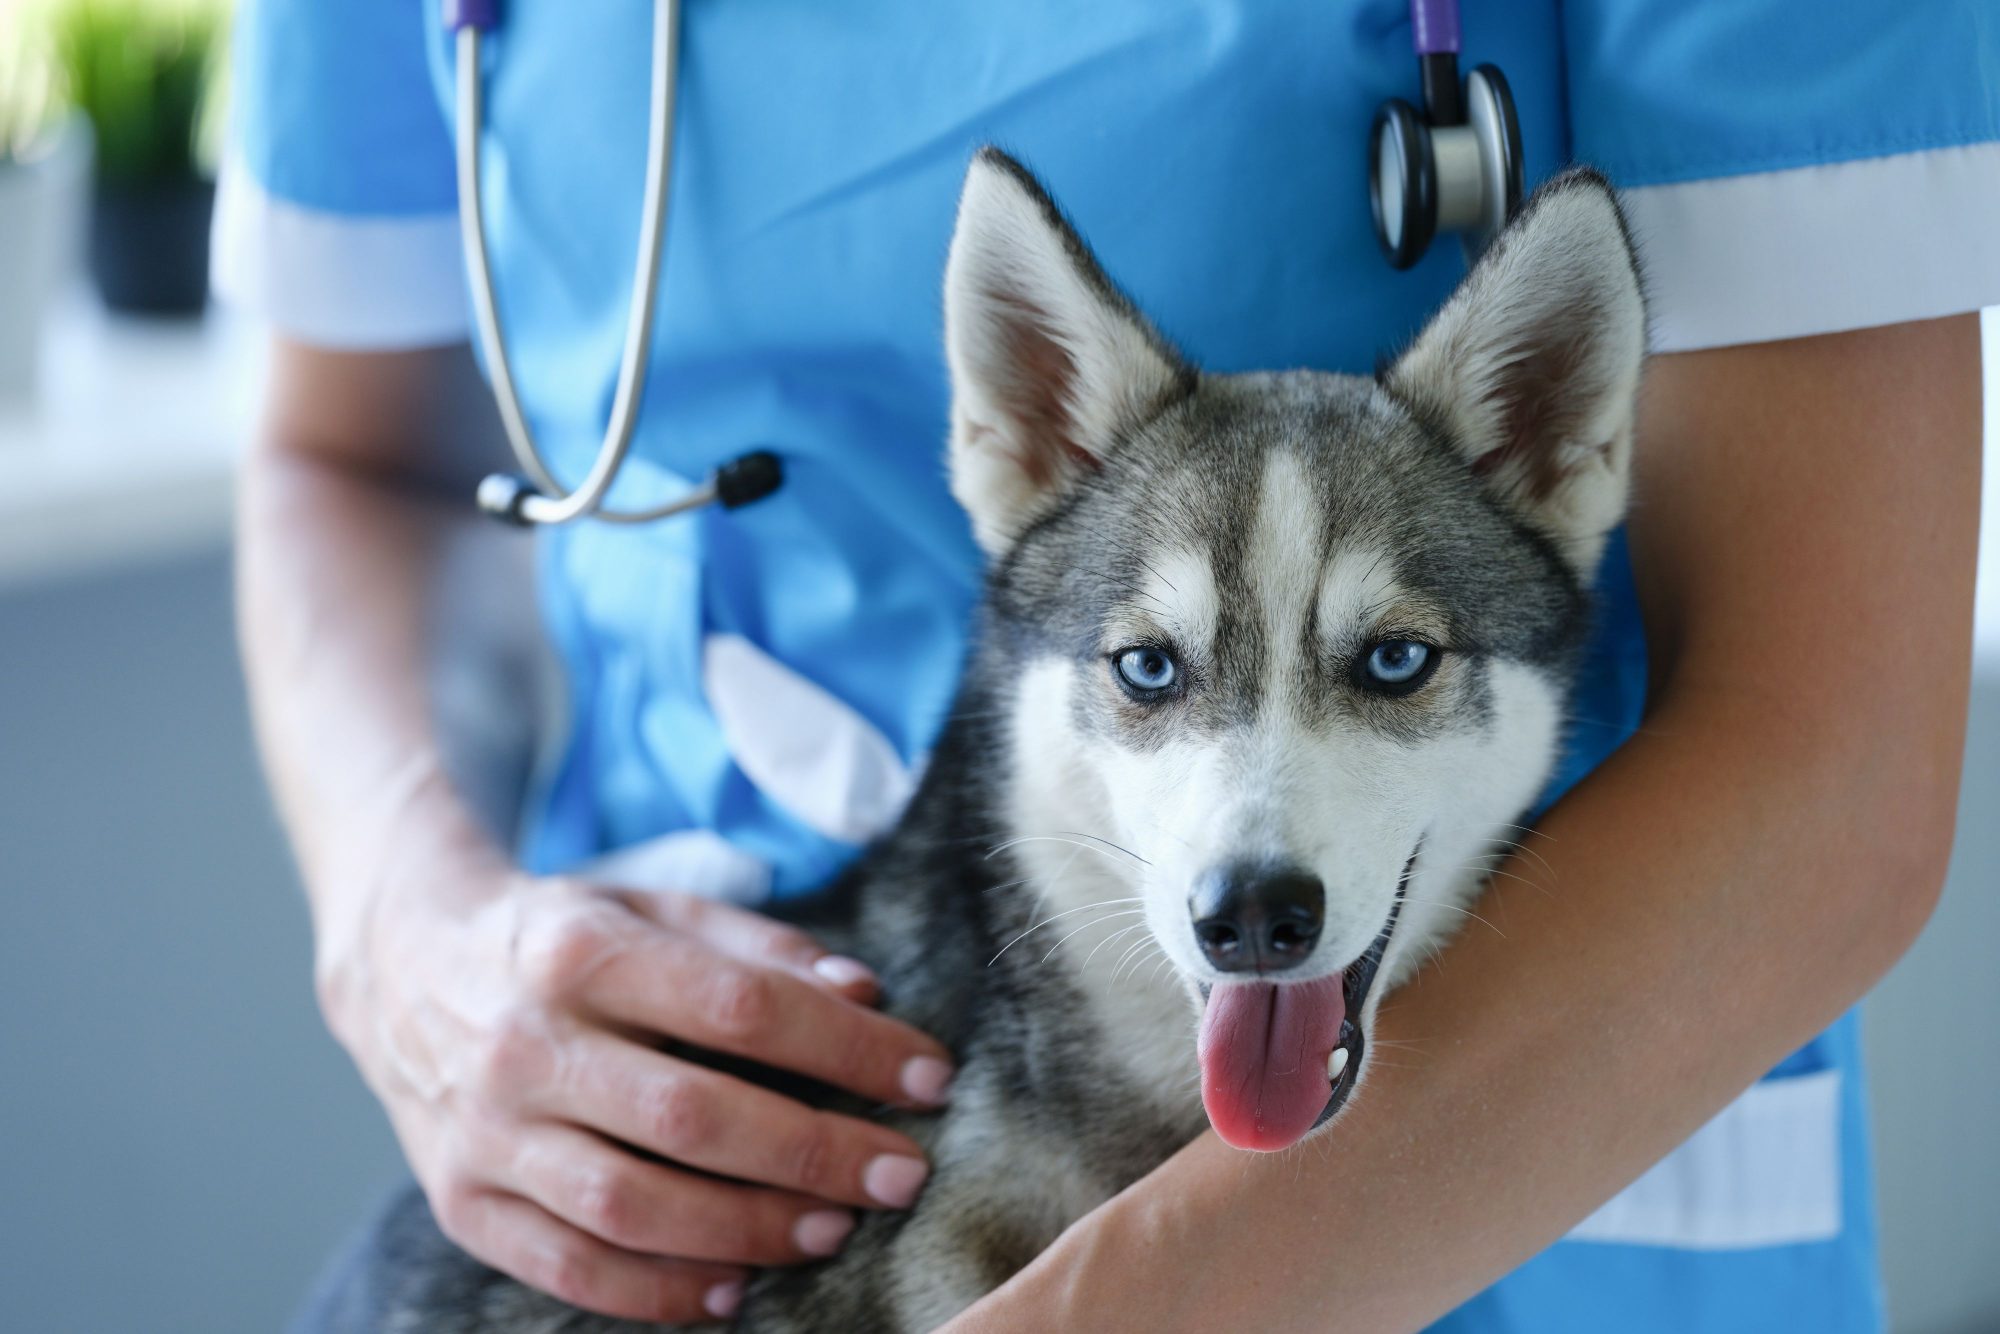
x,y
539,498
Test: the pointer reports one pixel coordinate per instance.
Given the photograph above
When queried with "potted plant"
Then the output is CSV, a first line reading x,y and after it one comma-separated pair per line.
x,y
140,72
42,159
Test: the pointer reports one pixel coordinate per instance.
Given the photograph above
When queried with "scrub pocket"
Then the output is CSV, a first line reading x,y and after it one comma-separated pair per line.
x,y
1766,1171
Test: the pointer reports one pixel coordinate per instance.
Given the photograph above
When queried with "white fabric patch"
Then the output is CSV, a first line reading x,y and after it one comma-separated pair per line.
x,y
344,281
1764,1172
692,861
1847,245
829,767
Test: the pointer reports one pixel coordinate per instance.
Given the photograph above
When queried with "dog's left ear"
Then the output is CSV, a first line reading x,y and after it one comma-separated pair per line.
x,y
1532,368
1051,366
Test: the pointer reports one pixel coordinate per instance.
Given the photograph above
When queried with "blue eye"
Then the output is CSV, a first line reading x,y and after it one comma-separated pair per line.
x,y
1146,669
1398,666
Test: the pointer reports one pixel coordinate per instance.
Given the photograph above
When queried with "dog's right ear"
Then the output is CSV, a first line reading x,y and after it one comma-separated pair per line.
x,y
1051,366
1531,369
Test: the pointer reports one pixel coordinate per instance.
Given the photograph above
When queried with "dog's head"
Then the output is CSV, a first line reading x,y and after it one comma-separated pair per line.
x,y
1284,651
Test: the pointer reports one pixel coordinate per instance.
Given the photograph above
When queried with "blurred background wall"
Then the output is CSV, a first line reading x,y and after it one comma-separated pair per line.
x,y
180,1142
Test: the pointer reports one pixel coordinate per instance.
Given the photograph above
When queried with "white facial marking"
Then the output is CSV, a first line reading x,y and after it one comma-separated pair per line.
x,y
1057,804
1176,594
1356,585
1477,781
1281,567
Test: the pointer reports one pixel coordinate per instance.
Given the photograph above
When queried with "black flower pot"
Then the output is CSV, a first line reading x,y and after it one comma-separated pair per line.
x,y
149,245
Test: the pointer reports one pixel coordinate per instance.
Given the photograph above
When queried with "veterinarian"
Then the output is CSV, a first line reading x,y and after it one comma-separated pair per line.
x,y
1628,1112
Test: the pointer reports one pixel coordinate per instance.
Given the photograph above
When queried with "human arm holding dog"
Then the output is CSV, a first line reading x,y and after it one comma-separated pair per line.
x,y
1727,884
508,1022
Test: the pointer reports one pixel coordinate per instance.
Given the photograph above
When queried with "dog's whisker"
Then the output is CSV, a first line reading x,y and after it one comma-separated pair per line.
x,y
1396,1044
1523,830
999,848
1119,934
1452,907
1097,838
1071,912
1516,848
1485,868
1098,921
1157,575
1523,850
1122,582
1134,954
1509,875
1137,957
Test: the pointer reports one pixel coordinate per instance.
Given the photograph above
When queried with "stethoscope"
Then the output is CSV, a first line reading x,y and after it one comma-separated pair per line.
x,y
1455,166
537,497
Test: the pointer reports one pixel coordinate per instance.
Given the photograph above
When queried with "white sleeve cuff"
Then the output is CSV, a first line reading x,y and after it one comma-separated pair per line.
x,y
352,282
1847,245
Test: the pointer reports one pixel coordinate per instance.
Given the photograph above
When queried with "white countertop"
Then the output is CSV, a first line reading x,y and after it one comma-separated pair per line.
x,y
128,453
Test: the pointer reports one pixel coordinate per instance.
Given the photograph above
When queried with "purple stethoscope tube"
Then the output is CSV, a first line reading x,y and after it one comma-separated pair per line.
x,y
485,16
1434,27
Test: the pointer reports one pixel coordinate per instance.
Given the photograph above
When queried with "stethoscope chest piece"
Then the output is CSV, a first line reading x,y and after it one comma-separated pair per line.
x,y
1455,164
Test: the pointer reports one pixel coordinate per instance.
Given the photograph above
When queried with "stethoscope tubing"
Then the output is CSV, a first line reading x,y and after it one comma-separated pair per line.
x,y
550,502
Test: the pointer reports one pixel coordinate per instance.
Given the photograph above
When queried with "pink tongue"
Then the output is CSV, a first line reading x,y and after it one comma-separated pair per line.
x,y
1263,1051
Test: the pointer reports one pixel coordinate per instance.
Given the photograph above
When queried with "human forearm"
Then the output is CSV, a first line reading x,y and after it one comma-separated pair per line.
x,y
1734,878
341,549
333,595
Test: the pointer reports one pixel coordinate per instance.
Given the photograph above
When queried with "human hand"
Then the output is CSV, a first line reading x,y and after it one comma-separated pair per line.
x,y
510,1025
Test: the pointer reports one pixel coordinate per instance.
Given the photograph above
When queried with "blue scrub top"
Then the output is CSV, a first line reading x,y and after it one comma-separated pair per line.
x,y
1213,153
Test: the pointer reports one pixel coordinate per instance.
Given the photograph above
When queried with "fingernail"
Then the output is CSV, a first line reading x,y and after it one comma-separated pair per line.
x,y
926,1079
722,1300
894,1179
844,972
822,1231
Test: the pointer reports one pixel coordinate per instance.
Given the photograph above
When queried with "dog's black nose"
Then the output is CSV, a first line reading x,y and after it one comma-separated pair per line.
x,y
1261,919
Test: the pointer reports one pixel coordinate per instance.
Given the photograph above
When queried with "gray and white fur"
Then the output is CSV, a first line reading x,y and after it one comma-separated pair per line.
x,y
1032,908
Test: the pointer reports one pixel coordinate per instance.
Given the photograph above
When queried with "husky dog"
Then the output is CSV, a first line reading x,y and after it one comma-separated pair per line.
x,y
1266,666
